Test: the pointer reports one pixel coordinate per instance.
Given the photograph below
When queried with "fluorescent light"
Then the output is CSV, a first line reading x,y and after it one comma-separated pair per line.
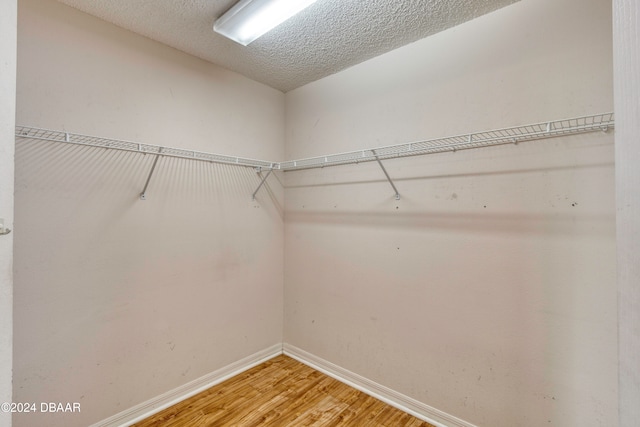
x,y
250,19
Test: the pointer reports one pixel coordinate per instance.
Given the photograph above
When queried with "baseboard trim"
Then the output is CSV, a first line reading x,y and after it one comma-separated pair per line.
x,y
404,403
398,400
157,404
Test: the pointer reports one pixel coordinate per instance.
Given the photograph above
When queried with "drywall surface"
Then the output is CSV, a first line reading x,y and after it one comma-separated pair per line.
x,y
626,60
8,25
488,290
119,300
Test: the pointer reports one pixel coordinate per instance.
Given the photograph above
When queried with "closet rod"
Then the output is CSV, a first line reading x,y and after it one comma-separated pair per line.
x,y
592,123
33,133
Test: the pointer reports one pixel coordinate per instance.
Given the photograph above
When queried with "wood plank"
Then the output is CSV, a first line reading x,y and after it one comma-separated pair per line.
x,y
281,392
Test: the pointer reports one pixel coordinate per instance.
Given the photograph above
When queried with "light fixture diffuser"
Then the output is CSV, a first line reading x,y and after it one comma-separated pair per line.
x,y
249,19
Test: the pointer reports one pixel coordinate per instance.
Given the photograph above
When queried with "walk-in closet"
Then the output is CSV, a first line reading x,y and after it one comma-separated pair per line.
x,y
448,226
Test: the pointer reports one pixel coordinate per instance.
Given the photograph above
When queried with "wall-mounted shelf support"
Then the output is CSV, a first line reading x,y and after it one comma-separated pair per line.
x,y
253,196
143,195
387,175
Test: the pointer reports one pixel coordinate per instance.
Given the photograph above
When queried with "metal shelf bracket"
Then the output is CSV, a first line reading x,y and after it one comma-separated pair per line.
x,y
143,195
259,170
386,174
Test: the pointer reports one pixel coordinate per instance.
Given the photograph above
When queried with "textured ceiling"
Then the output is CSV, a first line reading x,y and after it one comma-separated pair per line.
x,y
327,37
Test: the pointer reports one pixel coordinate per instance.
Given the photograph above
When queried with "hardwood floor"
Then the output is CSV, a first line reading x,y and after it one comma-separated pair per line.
x,y
281,392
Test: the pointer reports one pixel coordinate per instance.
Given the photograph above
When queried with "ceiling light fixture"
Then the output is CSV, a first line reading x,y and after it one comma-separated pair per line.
x,y
249,19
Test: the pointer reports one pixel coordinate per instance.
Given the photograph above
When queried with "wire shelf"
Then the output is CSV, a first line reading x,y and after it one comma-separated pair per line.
x,y
33,133
592,123
598,122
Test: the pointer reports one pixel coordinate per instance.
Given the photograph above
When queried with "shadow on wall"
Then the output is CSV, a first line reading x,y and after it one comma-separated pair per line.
x,y
484,223
81,170
449,175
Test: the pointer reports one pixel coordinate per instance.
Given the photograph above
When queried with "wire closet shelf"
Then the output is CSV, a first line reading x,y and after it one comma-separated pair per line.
x,y
33,133
511,135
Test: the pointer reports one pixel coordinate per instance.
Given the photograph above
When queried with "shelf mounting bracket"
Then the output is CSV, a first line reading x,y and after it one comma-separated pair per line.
x,y
386,174
143,195
253,197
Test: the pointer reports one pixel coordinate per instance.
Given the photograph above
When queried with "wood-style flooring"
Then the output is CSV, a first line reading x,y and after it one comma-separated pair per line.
x,y
281,392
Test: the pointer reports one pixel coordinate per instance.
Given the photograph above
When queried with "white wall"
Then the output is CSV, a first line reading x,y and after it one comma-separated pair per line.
x,y
119,300
488,290
627,104
8,21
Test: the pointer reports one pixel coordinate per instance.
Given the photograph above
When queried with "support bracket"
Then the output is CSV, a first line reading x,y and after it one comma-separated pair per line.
x,y
143,195
253,197
386,174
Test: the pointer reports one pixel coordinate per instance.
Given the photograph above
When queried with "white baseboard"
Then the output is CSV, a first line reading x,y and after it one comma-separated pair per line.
x,y
404,403
152,406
